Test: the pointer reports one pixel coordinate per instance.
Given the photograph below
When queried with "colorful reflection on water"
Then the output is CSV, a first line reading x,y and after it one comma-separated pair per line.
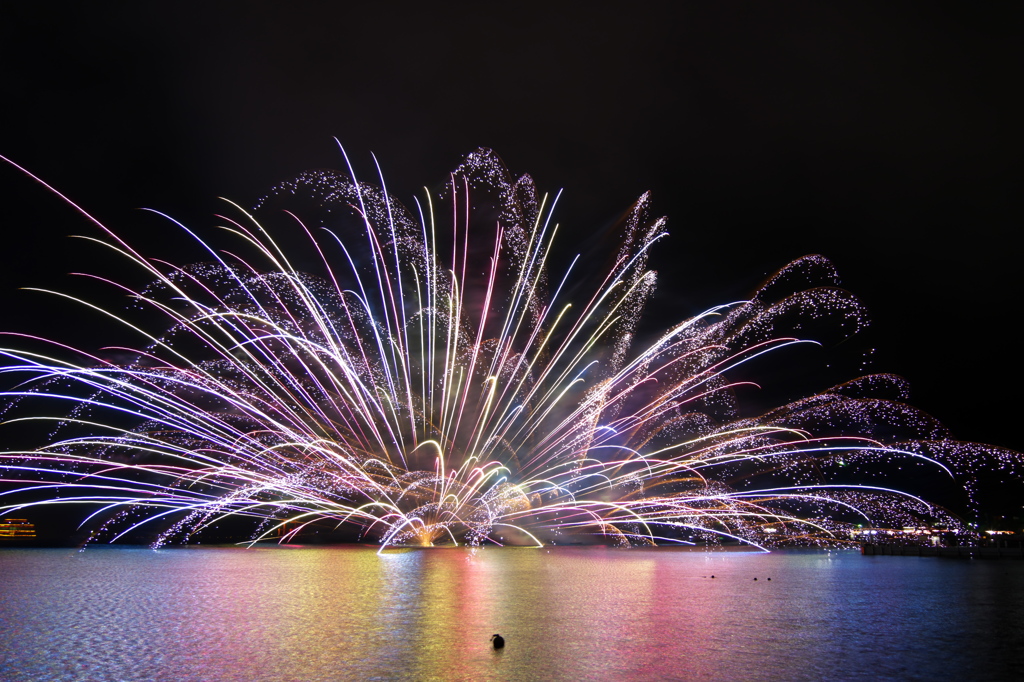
x,y
566,613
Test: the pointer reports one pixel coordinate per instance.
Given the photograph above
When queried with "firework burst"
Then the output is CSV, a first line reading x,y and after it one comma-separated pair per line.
x,y
424,377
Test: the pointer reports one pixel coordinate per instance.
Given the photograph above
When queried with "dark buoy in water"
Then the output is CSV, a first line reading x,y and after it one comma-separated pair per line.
x,y
498,641
755,578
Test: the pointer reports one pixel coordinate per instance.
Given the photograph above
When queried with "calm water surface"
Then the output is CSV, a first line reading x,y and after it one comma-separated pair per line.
x,y
566,614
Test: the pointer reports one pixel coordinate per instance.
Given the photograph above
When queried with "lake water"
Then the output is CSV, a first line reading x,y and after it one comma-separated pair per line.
x,y
566,614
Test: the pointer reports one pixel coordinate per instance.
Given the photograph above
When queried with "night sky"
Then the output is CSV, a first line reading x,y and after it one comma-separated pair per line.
x,y
884,136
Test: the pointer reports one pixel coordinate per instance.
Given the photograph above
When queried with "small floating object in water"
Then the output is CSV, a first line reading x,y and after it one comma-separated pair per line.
x,y
498,641
755,578
769,578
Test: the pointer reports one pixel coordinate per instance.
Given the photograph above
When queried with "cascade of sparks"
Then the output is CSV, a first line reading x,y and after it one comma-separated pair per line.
x,y
434,385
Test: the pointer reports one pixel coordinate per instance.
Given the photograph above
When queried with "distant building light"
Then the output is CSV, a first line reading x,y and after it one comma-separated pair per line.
x,y
16,528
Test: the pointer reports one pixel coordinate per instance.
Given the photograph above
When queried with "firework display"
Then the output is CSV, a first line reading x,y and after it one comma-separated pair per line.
x,y
427,376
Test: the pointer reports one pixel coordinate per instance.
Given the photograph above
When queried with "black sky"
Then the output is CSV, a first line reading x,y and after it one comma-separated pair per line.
x,y
886,136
